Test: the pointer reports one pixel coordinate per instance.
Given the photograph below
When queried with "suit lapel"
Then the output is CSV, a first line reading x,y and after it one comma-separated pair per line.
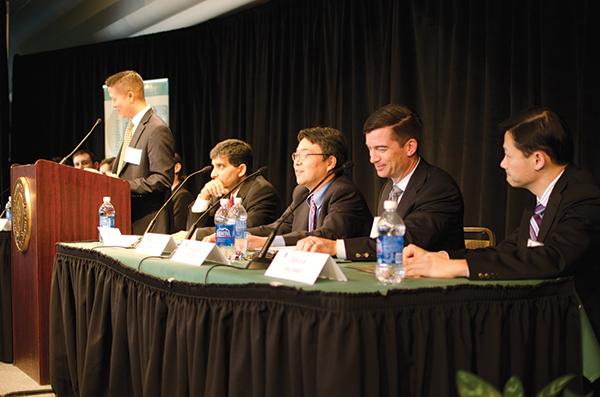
x,y
385,192
137,135
139,130
414,185
552,207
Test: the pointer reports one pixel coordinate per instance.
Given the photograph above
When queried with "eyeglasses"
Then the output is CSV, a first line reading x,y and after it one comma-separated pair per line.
x,y
302,156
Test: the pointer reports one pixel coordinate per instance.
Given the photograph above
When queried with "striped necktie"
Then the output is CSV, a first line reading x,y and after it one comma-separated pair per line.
x,y
395,193
536,222
126,142
312,214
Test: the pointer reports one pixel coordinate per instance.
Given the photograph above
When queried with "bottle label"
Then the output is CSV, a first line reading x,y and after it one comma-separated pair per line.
x,y
240,229
389,249
107,221
225,233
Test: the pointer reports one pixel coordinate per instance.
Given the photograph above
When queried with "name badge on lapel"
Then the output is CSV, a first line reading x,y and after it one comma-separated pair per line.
x,y
133,155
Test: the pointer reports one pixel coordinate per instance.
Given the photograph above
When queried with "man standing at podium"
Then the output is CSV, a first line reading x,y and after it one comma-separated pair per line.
x,y
146,155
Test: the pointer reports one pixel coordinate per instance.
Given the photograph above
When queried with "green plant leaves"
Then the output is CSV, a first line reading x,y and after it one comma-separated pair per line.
x,y
555,387
513,388
470,385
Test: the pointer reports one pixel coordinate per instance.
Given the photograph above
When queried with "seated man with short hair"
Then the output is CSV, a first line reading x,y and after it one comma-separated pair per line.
x,y
232,163
336,209
557,237
429,201
84,159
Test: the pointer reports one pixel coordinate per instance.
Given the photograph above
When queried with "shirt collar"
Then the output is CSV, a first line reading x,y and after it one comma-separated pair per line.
x,y
318,195
135,120
546,196
403,183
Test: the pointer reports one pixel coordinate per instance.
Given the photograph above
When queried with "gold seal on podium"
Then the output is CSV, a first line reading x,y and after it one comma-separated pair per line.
x,y
21,207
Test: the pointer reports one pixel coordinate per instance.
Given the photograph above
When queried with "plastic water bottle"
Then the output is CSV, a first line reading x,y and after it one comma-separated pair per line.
x,y
241,220
8,208
390,242
225,230
106,214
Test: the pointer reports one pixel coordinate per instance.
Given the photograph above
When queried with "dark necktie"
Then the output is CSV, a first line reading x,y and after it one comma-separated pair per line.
x,y
395,193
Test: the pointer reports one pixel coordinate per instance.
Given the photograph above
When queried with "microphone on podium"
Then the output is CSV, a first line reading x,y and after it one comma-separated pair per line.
x,y
192,229
98,121
153,221
260,261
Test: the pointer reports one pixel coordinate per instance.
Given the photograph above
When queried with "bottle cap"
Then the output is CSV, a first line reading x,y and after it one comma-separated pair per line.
x,y
390,205
224,202
106,199
237,200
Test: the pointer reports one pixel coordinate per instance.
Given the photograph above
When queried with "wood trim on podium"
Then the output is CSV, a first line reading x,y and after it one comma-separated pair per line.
x,y
64,202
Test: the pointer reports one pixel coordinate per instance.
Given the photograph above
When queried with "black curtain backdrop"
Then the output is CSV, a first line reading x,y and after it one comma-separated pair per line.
x,y
263,74
4,109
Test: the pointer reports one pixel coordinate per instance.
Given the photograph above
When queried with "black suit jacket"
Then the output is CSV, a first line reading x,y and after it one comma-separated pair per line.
x,y
344,213
151,180
570,233
179,209
432,209
259,198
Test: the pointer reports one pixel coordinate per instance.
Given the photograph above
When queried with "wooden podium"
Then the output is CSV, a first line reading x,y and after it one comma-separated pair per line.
x,y
51,203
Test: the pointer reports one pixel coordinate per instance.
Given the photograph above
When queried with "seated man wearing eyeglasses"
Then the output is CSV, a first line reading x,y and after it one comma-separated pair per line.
x,y
336,209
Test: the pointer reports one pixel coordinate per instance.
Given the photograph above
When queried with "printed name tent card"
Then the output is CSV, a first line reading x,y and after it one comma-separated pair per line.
x,y
193,252
304,267
111,236
155,244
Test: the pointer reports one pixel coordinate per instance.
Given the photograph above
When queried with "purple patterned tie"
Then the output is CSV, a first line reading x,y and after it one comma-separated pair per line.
x,y
536,222
312,214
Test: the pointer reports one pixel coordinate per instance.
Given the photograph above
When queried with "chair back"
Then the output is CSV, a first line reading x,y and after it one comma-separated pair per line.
x,y
479,237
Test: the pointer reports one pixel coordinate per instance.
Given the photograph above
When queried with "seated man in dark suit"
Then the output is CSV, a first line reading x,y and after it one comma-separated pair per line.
x,y
182,199
557,237
336,209
429,201
84,159
232,162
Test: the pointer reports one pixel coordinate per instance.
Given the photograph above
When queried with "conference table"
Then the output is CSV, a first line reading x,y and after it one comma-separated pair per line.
x,y
122,323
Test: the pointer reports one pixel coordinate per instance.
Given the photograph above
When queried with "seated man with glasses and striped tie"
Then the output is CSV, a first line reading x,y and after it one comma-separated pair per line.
x,y
556,237
145,159
429,201
336,209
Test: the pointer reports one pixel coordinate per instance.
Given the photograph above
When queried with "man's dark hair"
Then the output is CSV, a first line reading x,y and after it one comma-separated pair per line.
x,y
235,150
404,122
177,159
330,140
85,151
540,128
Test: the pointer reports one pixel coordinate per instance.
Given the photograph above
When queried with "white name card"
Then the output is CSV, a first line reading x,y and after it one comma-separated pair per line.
x,y
155,244
194,252
304,267
133,155
5,225
112,236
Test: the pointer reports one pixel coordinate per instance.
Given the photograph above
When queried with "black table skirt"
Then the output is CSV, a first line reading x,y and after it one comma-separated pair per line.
x,y
6,353
117,332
